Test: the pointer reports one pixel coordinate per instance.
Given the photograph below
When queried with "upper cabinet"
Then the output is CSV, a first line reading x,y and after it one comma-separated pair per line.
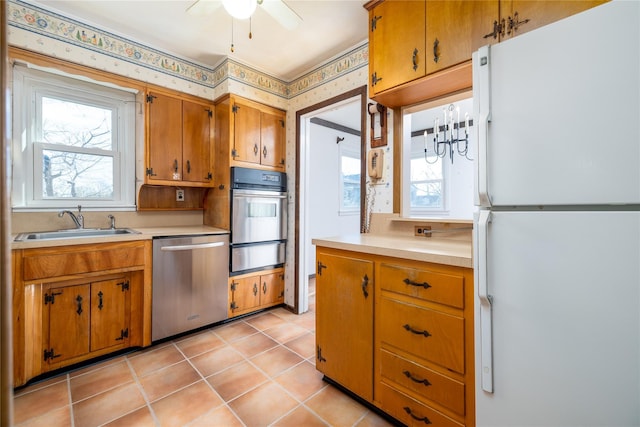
x,y
421,50
256,134
179,141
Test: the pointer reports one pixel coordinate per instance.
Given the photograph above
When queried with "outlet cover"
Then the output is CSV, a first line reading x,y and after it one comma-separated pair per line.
x,y
179,195
422,230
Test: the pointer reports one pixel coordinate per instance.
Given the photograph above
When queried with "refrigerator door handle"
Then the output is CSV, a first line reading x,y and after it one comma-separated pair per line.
x,y
482,68
486,330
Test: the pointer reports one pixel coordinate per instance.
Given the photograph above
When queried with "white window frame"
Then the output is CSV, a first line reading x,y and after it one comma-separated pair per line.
x,y
30,84
345,150
422,211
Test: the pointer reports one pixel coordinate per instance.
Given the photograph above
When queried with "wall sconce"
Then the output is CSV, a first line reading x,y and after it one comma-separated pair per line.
x,y
450,127
378,113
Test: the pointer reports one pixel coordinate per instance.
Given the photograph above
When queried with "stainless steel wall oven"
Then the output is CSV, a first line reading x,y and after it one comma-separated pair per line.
x,y
258,219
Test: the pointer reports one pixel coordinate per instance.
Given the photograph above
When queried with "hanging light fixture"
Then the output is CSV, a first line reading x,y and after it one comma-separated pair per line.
x,y
451,136
240,9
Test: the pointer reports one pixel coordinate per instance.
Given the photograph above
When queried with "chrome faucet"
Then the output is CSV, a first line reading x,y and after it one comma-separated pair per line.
x,y
77,220
113,220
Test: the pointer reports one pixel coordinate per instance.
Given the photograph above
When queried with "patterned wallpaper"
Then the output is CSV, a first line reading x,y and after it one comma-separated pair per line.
x,y
74,34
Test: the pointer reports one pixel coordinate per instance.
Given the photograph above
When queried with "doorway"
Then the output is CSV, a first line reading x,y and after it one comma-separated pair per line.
x,y
342,116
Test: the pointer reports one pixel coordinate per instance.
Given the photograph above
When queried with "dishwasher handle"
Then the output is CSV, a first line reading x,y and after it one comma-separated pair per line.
x,y
191,247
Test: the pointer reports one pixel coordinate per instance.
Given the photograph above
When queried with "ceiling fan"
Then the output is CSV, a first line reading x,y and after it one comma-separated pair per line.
x,y
243,9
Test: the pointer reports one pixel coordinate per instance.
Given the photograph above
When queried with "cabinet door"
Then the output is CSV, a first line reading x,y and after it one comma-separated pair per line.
x,y
272,288
165,137
396,44
244,295
344,321
521,16
196,142
273,140
66,322
246,133
109,313
455,30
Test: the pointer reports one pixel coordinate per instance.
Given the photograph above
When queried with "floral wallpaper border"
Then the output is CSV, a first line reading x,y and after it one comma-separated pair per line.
x,y
50,24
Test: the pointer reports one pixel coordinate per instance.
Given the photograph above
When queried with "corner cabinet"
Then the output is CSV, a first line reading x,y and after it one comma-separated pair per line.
x,y
398,333
255,291
74,303
179,141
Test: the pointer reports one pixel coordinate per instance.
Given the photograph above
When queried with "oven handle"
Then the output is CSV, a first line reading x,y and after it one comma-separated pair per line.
x,y
191,247
259,193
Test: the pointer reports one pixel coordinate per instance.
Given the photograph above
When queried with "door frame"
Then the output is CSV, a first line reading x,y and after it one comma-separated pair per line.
x,y
300,304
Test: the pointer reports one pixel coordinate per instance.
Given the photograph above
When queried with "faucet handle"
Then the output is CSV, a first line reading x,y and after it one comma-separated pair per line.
x,y
79,208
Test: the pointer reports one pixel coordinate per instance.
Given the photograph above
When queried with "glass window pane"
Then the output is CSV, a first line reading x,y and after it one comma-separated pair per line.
x,y
76,125
422,171
350,173
426,195
75,175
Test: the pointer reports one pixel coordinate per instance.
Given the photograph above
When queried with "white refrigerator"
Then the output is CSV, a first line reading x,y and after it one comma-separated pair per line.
x,y
557,226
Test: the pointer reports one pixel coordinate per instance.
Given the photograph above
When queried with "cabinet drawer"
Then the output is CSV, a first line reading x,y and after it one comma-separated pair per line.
x,y
424,381
45,263
426,333
426,285
410,411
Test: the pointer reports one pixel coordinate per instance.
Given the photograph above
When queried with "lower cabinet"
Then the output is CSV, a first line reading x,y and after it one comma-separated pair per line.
x,y
255,291
74,303
344,320
398,333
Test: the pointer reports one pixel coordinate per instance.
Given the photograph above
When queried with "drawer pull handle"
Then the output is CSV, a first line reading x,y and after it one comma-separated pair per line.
x,y
423,419
365,283
417,332
416,380
410,282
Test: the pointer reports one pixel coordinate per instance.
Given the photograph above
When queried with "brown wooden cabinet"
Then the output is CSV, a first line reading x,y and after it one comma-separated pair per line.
x,y
421,50
255,291
73,303
344,319
406,347
180,141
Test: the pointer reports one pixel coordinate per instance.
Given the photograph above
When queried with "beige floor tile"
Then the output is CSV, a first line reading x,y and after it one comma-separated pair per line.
x,y
41,401
300,416
373,420
307,320
302,381
199,343
276,360
60,417
165,381
254,344
97,365
186,405
286,332
263,405
265,321
234,331
40,384
148,362
221,417
236,380
107,406
140,417
304,345
284,314
335,407
217,360
99,380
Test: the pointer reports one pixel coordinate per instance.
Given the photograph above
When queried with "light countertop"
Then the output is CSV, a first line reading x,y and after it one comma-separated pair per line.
x,y
145,233
440,251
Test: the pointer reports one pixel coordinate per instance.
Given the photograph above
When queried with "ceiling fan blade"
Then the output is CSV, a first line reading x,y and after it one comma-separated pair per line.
x,y
204,7
281,12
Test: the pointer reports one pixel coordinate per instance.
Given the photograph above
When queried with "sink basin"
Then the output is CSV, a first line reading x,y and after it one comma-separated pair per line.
x,y
72,233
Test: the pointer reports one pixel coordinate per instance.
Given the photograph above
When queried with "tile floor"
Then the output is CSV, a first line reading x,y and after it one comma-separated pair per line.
x,y
256,371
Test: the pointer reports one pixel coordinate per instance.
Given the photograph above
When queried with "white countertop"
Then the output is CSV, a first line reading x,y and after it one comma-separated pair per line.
x,y
145,233
440,251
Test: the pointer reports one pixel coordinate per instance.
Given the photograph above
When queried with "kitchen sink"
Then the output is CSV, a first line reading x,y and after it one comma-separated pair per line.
x,y
73,233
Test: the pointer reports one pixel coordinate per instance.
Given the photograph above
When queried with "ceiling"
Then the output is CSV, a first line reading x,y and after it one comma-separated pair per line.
x,y
204,34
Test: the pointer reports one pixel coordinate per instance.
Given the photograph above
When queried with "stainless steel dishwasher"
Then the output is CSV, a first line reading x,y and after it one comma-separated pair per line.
x,y
190,275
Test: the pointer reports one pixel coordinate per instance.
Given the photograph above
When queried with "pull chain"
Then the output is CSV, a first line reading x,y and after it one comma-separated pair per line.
x,y
232,48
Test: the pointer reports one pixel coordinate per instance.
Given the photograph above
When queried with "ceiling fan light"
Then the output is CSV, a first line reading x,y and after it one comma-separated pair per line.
x,y
240,9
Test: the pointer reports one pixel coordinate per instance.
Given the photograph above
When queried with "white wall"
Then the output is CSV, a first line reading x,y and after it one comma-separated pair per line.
x,y
324,189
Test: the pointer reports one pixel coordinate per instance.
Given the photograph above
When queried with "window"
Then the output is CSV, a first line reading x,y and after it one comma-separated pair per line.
x,y
74,143
426,184
349,179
